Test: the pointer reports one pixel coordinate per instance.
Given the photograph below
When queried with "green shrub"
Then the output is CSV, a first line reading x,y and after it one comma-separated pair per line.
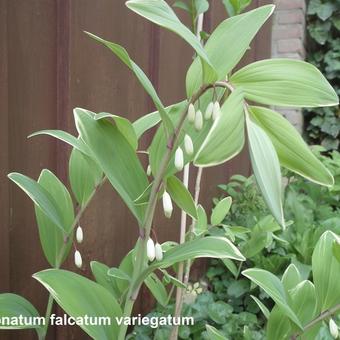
x,y
323,50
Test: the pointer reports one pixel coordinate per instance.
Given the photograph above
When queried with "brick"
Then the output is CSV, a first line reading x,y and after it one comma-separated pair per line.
x,y
290,4
287,31
290,17
290,46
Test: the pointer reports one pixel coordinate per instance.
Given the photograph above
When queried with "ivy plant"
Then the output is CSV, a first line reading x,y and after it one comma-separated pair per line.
x,y
323,50
106,148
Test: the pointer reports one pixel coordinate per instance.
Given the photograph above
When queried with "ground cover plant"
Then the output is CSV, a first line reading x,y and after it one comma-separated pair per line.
x,y
209,127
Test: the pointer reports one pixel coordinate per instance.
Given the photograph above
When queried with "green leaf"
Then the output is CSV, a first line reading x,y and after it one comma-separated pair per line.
x,y
181,196
214,334
122,54
146,122
210,246
15,306
85,175
201,225
304,303
65,137
221,210
160,13
274,288
219,312
126,266
100,273
279,325
51,237
40,196
291,277
202,6
234,7
118,274
263,308
123,125
326,272
285,82
226,136
230,32
294,154
182,5
171,279
265,164
157,289
79,296
122,167
336,250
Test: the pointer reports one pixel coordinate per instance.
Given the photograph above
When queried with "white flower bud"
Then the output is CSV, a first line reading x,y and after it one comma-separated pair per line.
x,y
333,328
77,259
216,110
209,111
150,250
79,234
159,252
179,159
198,120
167,205
148,170
188,145
191,113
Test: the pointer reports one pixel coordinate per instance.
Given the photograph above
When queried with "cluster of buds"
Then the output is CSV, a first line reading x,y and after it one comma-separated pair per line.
x,y
154,251
77,256
194,117
333,329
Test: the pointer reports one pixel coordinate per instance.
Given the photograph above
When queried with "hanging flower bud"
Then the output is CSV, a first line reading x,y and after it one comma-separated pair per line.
x,y
198,120
148,170
158,252
191,113
79,234
167,205
188,145
150,250
333,328
179,159
216,110
77,259
209,111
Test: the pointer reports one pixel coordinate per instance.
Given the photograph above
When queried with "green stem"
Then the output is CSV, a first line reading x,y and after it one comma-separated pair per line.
x,y
47,317
141,257
61,255
324,315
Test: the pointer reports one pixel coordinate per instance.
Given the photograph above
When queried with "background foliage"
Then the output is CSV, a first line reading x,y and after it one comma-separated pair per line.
x,y
323,50
223,292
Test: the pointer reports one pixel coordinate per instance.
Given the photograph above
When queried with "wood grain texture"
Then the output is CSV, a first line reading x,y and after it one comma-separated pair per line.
x,y
49,66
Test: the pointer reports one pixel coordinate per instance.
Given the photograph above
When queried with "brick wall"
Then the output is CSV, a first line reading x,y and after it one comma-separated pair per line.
x,y
288,39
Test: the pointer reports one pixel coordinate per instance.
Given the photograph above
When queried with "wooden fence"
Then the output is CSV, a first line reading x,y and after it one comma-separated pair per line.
x,y
47,67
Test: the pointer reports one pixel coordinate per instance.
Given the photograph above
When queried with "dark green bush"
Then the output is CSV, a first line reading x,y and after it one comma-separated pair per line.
x,y
323,50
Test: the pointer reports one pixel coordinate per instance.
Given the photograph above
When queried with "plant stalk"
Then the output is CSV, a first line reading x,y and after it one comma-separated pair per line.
x,y
141,258
324,315
179,290
62,254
